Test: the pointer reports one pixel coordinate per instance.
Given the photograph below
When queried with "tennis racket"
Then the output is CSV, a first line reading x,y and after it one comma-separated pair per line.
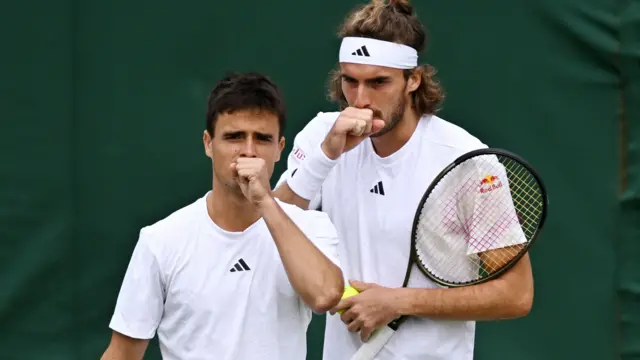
x,y
478,217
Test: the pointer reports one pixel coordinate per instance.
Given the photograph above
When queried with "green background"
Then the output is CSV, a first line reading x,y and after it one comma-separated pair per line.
x,y
102,109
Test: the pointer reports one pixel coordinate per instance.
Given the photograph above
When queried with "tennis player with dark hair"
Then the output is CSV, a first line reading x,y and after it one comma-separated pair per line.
x,y
368,166
237,273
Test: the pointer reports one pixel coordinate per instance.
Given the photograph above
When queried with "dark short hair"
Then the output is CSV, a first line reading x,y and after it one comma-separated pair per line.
x,y
245,91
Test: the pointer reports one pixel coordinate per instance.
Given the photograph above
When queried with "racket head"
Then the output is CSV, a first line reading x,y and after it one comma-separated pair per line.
x,y
487,172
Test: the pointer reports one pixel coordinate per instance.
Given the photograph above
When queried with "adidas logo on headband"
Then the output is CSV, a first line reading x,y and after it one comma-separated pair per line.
x,y
377,52
361,52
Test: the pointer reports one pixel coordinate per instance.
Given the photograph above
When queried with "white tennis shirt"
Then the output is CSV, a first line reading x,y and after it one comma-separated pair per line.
x,y
372,202
216,295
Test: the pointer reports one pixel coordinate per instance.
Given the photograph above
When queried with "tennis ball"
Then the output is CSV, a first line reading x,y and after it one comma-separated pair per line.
x,y
349,291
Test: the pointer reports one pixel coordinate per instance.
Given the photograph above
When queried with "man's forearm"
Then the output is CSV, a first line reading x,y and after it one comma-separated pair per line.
x,y
285,194
122,347
502,298
318,280
305,182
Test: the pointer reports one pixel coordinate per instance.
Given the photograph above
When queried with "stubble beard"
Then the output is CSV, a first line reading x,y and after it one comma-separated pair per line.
x,y
229,186
393,120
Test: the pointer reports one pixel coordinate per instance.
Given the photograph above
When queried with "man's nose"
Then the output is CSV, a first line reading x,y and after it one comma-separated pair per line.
x,y
362,100
249,148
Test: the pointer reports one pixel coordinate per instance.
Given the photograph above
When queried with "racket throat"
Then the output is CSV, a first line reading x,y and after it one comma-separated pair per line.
x,y
395,324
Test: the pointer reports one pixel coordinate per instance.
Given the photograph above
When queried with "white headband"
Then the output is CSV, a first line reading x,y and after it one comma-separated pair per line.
x,y
377,52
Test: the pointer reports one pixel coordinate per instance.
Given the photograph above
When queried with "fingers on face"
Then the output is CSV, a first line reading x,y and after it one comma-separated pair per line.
x,y
364,114
242,161
361,121
246,172
377,125
359,127
368,127
234,170
254,164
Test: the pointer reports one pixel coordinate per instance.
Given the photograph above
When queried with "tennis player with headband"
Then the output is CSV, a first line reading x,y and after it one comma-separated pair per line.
x,y
367,167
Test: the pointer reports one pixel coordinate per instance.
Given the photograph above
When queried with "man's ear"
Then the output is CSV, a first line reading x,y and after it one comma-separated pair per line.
x,y
207,141
280,147
415,79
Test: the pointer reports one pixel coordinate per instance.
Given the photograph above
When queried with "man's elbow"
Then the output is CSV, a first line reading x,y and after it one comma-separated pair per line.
x,y
521,304
329,297
518,288
326,302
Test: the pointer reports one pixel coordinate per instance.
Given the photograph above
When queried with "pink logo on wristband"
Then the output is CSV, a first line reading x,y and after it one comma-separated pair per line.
x,y
299,154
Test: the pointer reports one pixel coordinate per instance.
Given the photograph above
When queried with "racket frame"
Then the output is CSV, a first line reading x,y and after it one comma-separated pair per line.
x,y
413,258
370,349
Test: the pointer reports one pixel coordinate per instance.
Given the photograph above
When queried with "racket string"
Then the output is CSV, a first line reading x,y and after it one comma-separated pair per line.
x,y
479,217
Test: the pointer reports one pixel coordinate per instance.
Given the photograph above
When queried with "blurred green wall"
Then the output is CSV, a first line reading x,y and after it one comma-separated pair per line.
x,y
102,111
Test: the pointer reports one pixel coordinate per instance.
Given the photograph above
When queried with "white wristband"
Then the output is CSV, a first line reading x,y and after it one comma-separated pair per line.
x,y
306,181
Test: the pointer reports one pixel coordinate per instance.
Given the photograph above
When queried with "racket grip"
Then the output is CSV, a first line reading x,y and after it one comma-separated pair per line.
x,y
371,348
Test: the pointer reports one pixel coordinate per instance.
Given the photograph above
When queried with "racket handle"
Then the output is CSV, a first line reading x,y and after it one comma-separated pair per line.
x,y
371,348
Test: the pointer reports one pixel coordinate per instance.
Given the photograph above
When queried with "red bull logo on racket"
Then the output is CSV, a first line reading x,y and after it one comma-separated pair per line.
x,y
489,183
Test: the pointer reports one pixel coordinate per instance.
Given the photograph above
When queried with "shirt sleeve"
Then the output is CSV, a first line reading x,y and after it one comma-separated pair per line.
x,y
140,302
320,230
491,219
307,140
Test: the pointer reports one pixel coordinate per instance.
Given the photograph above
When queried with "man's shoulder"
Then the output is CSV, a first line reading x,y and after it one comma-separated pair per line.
x,y
177,224
326,118
320,124
309,221
448,134
297,214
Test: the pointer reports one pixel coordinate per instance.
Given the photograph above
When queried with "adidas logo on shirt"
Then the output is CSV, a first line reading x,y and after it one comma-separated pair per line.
x,y
377,188
240,266
361,52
